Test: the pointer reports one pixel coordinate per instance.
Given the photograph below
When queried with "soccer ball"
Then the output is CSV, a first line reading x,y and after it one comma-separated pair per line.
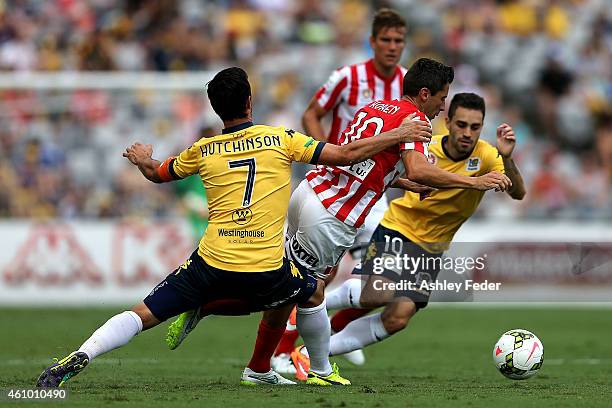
x,y
518,354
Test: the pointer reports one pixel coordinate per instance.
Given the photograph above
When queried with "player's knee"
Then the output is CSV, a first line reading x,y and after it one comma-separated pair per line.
x,y
394,323
145,314
396,318
317,297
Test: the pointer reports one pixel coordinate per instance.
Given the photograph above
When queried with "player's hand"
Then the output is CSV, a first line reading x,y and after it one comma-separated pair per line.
x,y
506,140
138,152
414,130
409,185
493,180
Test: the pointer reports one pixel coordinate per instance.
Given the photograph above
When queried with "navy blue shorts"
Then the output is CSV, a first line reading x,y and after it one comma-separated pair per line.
x,y
195,283
388,243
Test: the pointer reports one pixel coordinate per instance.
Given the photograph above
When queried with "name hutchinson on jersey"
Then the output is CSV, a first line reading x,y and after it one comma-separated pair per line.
x,y
242,145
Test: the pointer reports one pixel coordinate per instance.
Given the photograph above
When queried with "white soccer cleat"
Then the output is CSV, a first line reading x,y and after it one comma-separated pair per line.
x,y
250,377
356,357
283,364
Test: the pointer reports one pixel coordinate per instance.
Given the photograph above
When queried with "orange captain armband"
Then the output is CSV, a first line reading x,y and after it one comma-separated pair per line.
x,y
166,172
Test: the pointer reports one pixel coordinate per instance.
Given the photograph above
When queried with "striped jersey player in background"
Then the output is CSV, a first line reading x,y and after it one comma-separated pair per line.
x,y
422,228
348,89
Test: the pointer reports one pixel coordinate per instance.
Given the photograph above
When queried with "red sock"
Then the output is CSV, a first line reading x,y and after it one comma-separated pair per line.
x,y
267,340
226,307
345,316
287,342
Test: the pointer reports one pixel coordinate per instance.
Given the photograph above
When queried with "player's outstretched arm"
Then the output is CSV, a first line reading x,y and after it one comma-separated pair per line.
x,y
408,131
140,155
506,141
420,170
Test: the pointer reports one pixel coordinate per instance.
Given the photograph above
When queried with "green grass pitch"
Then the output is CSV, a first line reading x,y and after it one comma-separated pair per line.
x,y
444,358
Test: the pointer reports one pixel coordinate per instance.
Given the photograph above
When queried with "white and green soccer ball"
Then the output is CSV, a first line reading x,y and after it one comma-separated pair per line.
x,y
518,354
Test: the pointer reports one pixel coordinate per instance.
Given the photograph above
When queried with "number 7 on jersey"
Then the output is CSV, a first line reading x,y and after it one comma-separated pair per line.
x,y
250,181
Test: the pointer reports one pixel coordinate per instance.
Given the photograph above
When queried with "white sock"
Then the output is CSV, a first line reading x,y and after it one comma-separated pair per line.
x,y
359,333
116,332
313,325
345,295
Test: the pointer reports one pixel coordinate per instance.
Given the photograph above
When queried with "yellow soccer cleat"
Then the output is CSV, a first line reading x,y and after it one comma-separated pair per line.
x,y
333,379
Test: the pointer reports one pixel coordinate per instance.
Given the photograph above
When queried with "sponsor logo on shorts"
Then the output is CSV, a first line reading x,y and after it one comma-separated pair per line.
x,y
299,253
161,285
285,300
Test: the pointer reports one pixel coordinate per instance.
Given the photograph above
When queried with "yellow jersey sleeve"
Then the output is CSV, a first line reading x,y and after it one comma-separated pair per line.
x,y
302,148
187,163
494,160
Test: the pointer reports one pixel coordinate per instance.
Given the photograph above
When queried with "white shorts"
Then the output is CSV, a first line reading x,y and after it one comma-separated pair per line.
x,y
371,223
316,240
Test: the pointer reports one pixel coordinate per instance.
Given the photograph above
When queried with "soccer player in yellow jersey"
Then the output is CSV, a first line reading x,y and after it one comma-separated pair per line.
x,y
420,228
246,172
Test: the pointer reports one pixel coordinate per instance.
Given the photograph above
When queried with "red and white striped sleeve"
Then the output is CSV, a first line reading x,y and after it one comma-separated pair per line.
x,y
330,94
420,147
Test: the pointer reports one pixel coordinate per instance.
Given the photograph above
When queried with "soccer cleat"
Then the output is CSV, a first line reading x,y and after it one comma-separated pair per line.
x,y
283,364
61,371
181,327
333,379
356,357
250,377
301,362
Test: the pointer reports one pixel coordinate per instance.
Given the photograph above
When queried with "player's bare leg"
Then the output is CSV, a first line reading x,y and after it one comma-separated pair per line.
x,y
116,332
373,328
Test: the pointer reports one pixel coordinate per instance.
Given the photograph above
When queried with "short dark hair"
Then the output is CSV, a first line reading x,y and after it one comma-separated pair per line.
x,y
427,73
467,100
386,18
229,92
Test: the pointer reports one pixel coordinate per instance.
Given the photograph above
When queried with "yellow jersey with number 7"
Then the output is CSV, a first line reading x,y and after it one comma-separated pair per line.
x,y
247,175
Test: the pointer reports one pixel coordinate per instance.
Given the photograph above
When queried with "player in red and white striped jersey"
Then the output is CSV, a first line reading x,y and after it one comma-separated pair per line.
x,y
349,192
347,90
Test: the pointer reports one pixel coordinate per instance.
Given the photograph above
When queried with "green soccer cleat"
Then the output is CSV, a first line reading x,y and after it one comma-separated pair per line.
x,y
333,379
181,327
61,371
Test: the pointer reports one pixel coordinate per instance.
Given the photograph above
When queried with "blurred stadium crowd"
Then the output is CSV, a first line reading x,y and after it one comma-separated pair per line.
x,y
544,66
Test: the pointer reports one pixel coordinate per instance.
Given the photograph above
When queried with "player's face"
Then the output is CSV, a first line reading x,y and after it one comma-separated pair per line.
x,y
434,104
388,45
464,129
